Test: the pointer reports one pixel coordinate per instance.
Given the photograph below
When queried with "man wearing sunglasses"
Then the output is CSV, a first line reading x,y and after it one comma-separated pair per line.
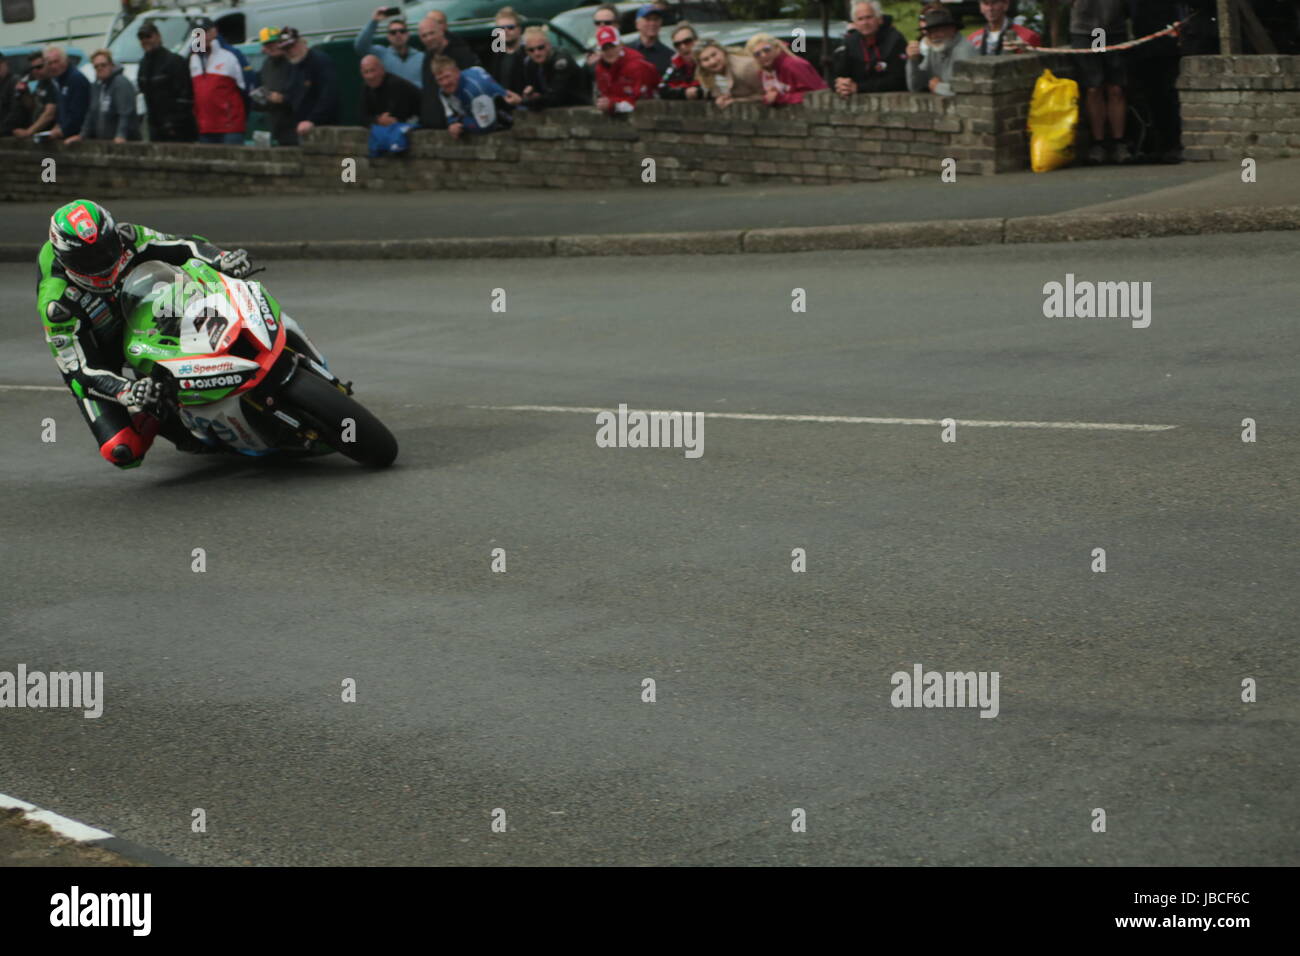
x,y
505,59
398,57
35,101
552,78
606,15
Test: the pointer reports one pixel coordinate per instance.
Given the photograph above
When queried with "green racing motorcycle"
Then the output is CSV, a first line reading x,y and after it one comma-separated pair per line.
x,y
234,375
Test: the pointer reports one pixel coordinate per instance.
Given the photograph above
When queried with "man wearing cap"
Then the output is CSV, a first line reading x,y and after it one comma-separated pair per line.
x,y
164,80
623,76
314,87
649,20
272,93
932,71
399,58
220,88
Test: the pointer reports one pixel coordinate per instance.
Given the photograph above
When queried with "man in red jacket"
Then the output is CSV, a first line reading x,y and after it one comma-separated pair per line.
x,y
218,79
623,76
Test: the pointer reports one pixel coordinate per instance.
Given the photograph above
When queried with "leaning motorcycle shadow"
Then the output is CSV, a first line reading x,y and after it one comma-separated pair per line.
x,y
272,469
423,448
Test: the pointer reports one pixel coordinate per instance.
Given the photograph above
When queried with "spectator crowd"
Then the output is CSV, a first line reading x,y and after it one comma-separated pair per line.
x,y
208,96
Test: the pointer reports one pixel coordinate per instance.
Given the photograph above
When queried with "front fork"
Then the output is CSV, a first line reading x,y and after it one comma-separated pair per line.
x,y
300,343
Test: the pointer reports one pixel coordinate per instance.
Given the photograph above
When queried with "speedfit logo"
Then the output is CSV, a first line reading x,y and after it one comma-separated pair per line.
x,y
75,908
1098,300
215,381
205,368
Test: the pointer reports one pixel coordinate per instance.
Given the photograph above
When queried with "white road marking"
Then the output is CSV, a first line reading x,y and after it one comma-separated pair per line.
x,y
34,388
61,825
847,419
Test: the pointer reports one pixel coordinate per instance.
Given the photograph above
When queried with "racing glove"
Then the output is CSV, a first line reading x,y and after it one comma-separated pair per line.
x,y
144,393
234,263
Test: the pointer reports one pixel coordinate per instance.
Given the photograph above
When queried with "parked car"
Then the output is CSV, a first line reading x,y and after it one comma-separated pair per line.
x,y
18,55
577,21
485,9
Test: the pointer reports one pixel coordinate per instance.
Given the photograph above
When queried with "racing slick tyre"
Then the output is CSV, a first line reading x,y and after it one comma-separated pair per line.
x,y
326,409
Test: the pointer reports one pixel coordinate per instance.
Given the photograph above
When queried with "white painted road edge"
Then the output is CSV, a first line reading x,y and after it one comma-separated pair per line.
x,y
844,419
759,417
61,825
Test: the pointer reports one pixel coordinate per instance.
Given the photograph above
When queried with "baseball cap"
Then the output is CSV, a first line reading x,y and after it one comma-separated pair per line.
x,y
269,35
649,10
606,36
204,23
147,29
288,36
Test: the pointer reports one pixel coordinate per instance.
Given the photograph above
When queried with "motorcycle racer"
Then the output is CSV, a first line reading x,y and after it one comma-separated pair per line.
x,y
79,273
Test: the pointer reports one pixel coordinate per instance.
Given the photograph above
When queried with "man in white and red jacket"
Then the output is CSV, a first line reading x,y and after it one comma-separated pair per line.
x,y
219,90
623,75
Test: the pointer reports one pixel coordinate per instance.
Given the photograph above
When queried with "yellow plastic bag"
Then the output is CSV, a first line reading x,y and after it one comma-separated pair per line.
x,y
1053,116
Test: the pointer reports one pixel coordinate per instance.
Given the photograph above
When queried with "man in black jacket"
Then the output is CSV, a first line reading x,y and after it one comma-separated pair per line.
x,y
164,79
873,58
552,78
437,41
385,97
313,85
507,64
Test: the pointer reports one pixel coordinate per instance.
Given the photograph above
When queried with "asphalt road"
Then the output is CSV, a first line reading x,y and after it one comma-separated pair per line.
x,y
522,690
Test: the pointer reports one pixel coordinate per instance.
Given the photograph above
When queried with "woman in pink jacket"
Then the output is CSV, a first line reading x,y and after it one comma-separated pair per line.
x,y
786,77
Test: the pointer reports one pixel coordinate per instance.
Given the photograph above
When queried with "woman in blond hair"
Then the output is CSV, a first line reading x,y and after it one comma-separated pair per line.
x,y
727,77
786,77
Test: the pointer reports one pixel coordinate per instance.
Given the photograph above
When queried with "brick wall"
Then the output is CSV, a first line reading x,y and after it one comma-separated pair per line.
x,y
1239,106
1233,105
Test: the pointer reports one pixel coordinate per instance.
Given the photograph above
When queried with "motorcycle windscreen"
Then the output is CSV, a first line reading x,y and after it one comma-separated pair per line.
x,y
150,285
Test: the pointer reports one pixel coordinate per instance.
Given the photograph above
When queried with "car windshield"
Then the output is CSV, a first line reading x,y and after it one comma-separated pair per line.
x,y
577,24
126,45
141,284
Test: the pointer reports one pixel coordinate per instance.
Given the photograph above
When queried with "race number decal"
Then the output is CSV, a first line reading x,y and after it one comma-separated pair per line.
x,y
484,110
